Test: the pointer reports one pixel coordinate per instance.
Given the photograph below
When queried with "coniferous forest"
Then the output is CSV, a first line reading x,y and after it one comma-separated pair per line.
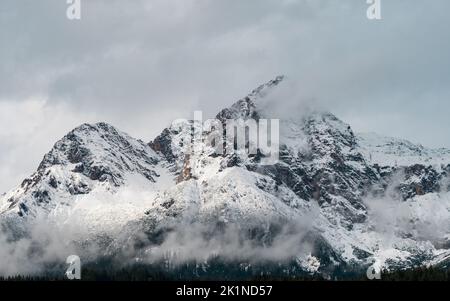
x,y
220,271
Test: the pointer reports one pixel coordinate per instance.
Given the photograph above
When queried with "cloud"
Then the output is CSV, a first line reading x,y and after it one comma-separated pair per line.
x,y
198,242
422,218
102,224
141,65
29,130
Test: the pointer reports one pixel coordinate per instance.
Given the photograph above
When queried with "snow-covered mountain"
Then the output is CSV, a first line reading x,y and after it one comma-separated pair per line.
x,y
335,199
388,151
91,162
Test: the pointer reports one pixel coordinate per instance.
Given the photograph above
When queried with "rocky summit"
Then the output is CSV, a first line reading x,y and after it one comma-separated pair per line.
x,y
335,201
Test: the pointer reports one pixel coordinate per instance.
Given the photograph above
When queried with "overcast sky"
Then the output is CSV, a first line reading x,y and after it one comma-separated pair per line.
x,y
141,64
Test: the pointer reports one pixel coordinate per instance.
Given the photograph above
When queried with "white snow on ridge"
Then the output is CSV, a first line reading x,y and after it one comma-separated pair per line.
x,y
112,180
388,151
106,211
98,181
231,196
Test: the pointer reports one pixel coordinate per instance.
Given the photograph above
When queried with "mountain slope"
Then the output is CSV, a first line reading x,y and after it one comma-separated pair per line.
x,y
91,163
322,162
334,198
387,151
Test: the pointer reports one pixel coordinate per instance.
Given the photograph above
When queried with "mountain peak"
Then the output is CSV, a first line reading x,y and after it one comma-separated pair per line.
x,y
325,174
98,127
69,149
264,88
101,152
246,108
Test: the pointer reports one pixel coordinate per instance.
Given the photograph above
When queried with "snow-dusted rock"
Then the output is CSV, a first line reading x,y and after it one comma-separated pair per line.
x,y
345,199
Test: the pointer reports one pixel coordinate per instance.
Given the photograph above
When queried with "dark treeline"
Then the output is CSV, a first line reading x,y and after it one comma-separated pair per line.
x,y
419,274
223,271
106,270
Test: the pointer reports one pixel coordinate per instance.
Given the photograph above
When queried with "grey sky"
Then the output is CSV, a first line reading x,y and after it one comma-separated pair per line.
x,y
140,64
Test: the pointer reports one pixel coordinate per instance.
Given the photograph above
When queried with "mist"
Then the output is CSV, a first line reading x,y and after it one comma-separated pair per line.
x,y
103,225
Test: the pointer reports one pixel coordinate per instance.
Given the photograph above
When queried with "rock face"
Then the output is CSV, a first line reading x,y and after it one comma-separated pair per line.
x,y
88,157
353,198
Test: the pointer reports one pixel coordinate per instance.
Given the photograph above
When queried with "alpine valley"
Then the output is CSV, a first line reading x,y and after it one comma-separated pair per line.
x,y
335,203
